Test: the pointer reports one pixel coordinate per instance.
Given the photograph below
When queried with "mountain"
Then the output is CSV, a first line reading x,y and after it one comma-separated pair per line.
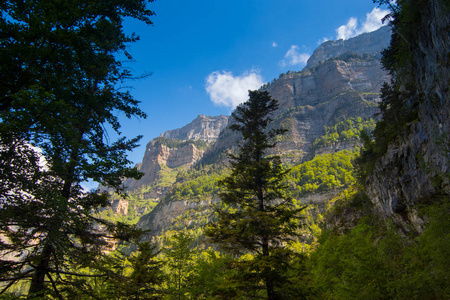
x,y
334,89
376,191
330,93
168,151
365,43
201,128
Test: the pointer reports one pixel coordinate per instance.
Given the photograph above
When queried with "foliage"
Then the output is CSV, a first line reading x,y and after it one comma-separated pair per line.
x,y
178,256
212,276
137,207
375,261
60,90
196,184
348,130
120,276
196,188
323,173
263,218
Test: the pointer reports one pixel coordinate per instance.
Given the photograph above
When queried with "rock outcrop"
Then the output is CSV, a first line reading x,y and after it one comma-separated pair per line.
x,y
314,98
120,207
158,155
164,215
372,42
203,127
416,165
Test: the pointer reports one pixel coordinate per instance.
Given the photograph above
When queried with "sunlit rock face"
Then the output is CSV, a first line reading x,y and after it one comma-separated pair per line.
x,y
372,42
204,128
158,155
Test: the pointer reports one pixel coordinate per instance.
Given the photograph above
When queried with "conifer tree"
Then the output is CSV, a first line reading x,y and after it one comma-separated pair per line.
x,y
60,78
179,260
262,219
140,275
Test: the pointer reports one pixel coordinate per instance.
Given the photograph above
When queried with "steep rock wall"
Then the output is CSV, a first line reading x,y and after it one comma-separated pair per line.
x,y
365,43
203,127
416,166
158,155
164,215
312,99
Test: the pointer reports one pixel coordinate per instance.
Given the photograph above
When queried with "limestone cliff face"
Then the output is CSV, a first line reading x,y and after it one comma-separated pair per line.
x,y
204,128
326,81
318,97
325,95
416,166
120,207
365,43
163,216
158,155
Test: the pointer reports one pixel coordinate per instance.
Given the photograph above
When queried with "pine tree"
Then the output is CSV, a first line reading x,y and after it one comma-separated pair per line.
x,y
140,276
261,219
60,90
179,260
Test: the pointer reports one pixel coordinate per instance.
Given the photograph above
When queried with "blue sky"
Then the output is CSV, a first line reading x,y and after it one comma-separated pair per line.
x,y
204,55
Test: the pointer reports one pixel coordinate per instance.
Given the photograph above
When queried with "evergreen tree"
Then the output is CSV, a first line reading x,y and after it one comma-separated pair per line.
x,y
60,77
179,260
261,219
140,275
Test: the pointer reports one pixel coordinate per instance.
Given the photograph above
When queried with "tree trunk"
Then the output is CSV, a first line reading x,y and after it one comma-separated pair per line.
x,y
269,288
38,281
268,276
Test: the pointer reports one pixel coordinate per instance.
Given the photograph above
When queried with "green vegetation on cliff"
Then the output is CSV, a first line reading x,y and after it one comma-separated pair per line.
x,y
323,173
345,131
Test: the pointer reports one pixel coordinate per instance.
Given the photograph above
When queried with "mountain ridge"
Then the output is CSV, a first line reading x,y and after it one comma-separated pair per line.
x,y
311,100
372,41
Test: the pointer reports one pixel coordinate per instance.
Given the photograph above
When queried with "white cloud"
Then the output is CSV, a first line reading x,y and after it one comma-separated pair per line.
x,y
348,30
294,57
228,90
373,20
371,23
274,44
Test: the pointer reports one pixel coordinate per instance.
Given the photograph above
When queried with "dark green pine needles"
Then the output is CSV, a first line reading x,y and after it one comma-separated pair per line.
x,y
260,219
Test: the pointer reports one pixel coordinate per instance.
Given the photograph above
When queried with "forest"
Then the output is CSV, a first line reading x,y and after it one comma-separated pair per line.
x,y
58,99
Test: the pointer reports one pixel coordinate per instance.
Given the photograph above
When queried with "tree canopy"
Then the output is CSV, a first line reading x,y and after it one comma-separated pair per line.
x,y
60,90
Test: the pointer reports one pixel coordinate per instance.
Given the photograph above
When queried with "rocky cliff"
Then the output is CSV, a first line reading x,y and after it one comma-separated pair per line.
x,y
342,87
415,167
365,43
157,155
204,128
170,151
